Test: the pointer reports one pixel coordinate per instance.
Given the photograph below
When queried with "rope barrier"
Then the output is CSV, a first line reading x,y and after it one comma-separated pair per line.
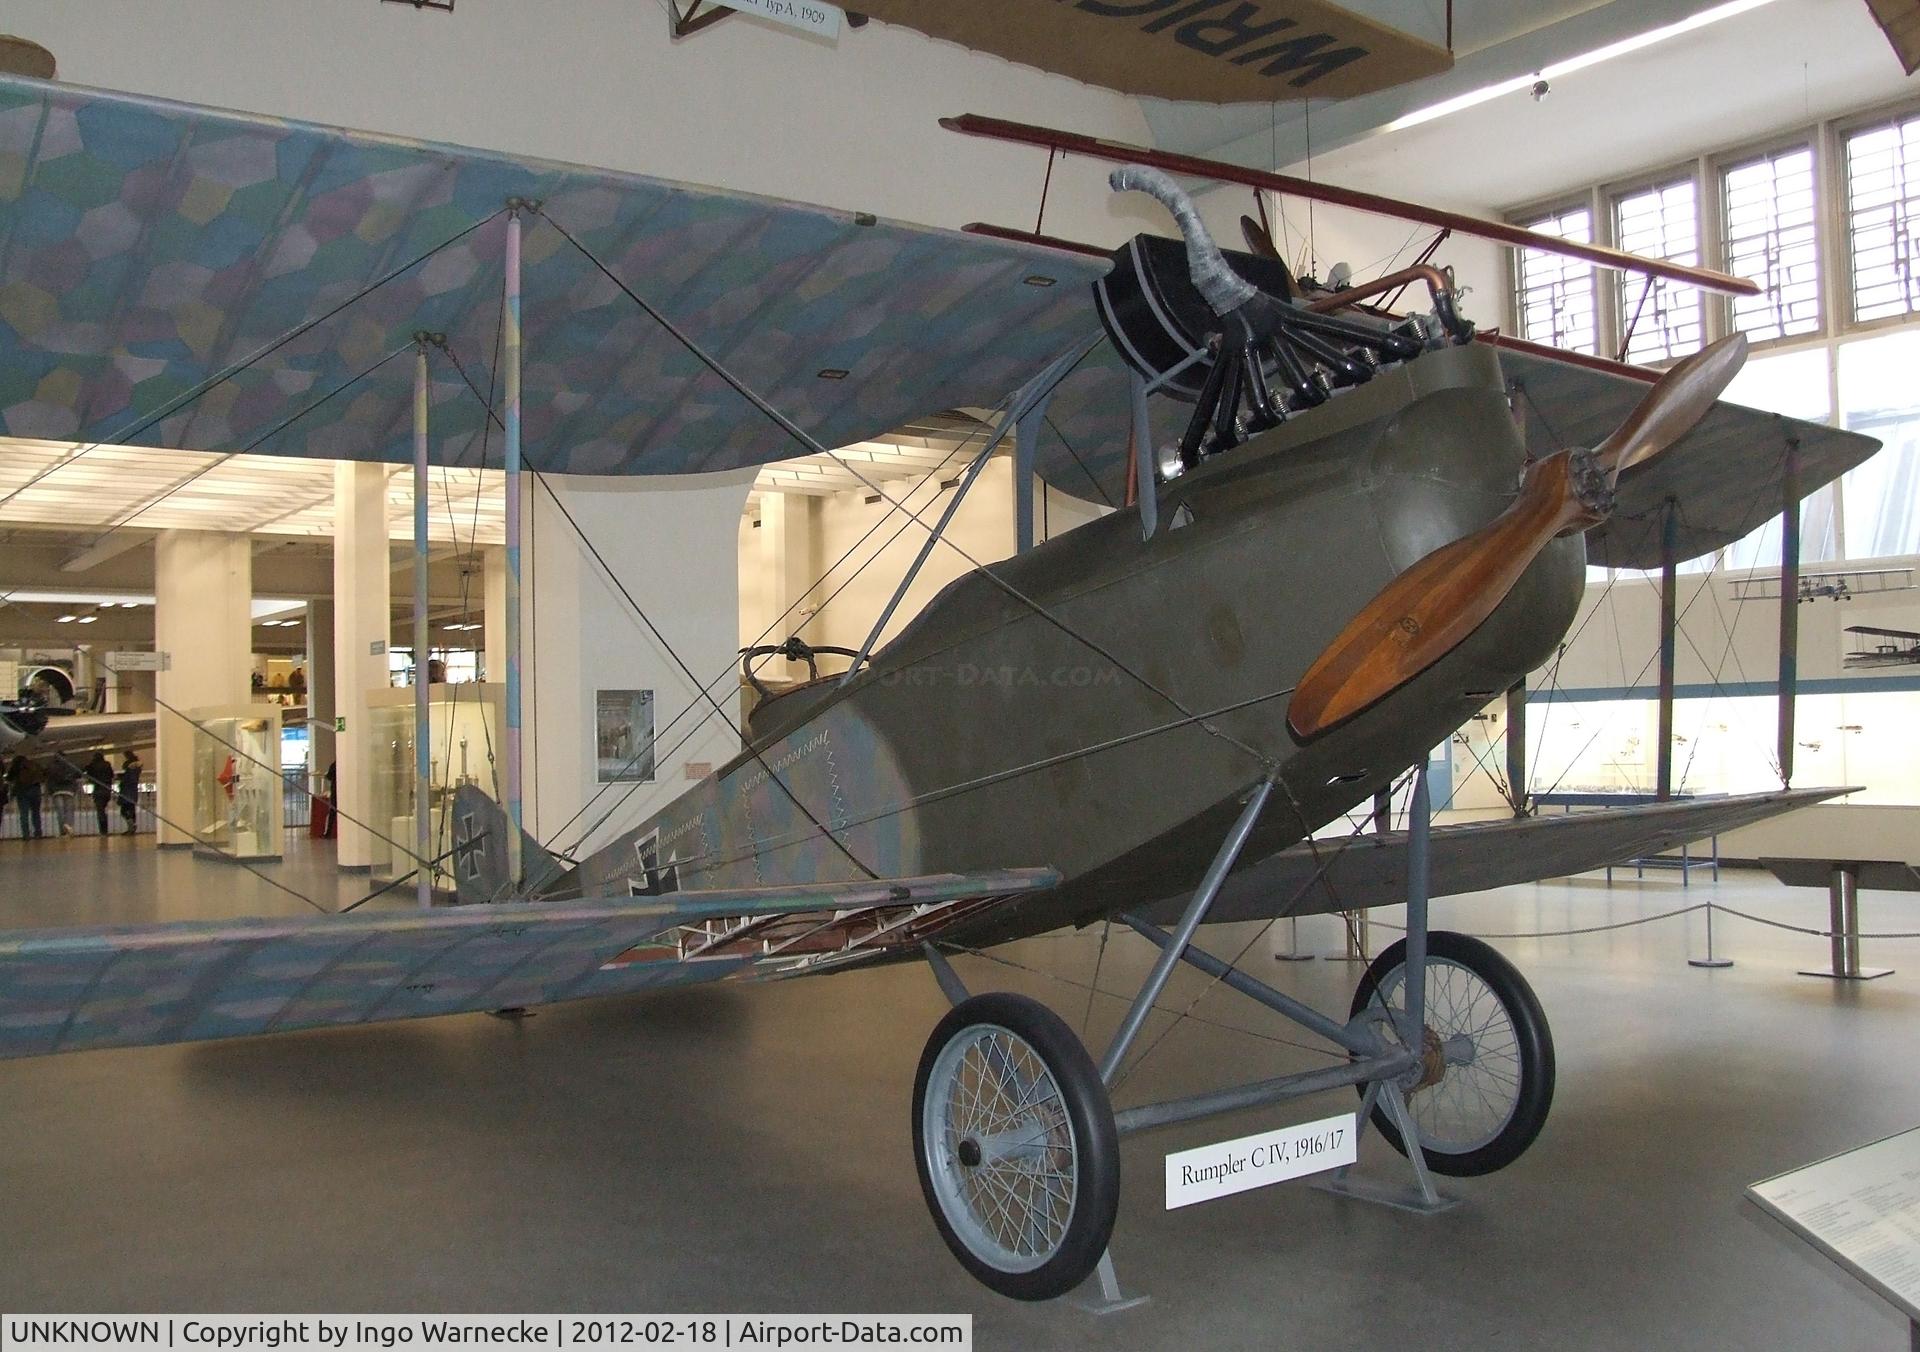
x,y
1678,911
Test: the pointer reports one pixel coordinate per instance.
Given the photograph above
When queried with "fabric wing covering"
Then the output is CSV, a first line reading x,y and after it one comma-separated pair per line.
x,y
70,990
150,245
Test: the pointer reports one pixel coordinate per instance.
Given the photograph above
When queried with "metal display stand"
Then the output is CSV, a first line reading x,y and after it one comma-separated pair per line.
x,y
1843,879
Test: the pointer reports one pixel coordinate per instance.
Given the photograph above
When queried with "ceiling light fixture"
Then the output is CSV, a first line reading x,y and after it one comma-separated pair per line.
x,y
86,619
1548,73
66,619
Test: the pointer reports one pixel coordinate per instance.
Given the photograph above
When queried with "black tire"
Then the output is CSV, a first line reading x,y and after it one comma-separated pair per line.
x,y
1084,1106
1533,1049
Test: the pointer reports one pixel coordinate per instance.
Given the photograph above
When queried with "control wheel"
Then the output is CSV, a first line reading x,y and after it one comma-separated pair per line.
x,y
1486,1053
1014,1139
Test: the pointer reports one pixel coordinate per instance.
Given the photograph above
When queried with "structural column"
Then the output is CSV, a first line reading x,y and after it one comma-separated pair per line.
x,y
786,555
203,622
510,357
362,622
1789,605
1669,636
320,686
1517,746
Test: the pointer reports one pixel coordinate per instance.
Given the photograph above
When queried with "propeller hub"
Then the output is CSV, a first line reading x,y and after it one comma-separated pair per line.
x,y
1589,482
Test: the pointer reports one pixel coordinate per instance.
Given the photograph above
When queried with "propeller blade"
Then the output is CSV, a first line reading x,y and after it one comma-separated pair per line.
x,y
1673,406
1257,238
1430,607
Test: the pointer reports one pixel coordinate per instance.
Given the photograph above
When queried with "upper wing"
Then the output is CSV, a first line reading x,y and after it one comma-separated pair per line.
x,y
1371,870
924,319
67,990
1727,475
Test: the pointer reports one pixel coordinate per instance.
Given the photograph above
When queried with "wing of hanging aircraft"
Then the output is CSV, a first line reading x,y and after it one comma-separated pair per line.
x,y
70,990
1259,51
1319,877
40,732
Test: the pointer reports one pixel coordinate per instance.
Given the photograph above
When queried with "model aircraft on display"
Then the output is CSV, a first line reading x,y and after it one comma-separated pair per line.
x,y
1891,647
1343,550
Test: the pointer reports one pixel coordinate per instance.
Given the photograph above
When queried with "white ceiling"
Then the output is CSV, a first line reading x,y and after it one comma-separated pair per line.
x,y
128,490
1787,62
940,444
1781,66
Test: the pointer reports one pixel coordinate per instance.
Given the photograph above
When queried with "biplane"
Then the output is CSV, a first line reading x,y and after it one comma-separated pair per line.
x,y
1342,547
1890,647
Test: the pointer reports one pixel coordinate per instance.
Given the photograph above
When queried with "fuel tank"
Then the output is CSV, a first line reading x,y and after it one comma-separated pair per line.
x,y
1102,703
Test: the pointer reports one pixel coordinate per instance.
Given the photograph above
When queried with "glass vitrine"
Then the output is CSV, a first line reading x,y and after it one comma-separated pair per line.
x,y
236,781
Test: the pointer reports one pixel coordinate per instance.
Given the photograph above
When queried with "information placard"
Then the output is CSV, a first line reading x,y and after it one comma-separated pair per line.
x,y
1861,1209
1211,1171
809,16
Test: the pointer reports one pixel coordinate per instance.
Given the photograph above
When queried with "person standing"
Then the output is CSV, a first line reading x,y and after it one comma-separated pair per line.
x,y
99,773
25,778
63,785
129,787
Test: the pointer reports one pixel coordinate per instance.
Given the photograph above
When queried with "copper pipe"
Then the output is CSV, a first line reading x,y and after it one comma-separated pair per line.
x,y
1437,282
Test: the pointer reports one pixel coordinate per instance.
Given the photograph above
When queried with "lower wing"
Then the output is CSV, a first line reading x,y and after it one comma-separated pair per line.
x,y
1337,875
71,989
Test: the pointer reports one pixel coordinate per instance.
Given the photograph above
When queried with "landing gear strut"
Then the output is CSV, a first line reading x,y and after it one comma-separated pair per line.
x,y
1016,1140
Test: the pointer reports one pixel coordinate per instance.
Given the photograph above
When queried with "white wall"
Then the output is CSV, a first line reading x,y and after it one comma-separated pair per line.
x,y
672,543
865,581
745,104
1613,646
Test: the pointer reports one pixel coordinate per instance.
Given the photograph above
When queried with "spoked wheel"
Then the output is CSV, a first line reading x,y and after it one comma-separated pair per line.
x,y
1487,1057
1014,1138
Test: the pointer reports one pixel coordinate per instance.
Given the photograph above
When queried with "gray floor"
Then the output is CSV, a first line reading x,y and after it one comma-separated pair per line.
x,y
748,1149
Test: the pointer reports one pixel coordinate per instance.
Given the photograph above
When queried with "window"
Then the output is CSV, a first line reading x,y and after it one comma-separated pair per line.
x,y
1555,296
1880,501
1659,320
1795,385
1883,218
1767,204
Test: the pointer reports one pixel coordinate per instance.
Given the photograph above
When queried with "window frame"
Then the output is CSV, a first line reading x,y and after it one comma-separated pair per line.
x,y
1529,218
1611,195
1838,130
1838,324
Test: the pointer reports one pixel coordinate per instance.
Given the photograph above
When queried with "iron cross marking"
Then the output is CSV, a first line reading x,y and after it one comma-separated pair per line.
x,y
469,848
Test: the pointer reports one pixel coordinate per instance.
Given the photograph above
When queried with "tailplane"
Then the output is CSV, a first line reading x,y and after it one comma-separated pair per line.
x,y
481,861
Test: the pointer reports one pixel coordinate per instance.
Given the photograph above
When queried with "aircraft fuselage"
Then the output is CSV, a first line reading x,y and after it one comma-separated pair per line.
x,y
1108,719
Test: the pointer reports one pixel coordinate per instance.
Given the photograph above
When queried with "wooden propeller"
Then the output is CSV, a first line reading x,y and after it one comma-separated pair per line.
x,y
1428,609
1258,240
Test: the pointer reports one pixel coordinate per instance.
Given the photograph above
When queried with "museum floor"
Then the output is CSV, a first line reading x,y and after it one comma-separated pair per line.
x,y
747,1149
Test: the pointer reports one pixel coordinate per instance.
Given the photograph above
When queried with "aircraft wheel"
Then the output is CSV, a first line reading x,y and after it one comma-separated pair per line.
x,y
1014,1139
1487,1079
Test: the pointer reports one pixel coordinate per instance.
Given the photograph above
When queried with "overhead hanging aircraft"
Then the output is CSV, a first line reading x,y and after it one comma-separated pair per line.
x,y
1343,551
46,719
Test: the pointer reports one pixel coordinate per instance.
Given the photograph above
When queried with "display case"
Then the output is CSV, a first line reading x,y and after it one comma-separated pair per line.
x,y
236,781
465,723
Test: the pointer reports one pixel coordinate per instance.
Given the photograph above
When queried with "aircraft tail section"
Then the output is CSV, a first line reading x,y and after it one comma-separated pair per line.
x,y
481,859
